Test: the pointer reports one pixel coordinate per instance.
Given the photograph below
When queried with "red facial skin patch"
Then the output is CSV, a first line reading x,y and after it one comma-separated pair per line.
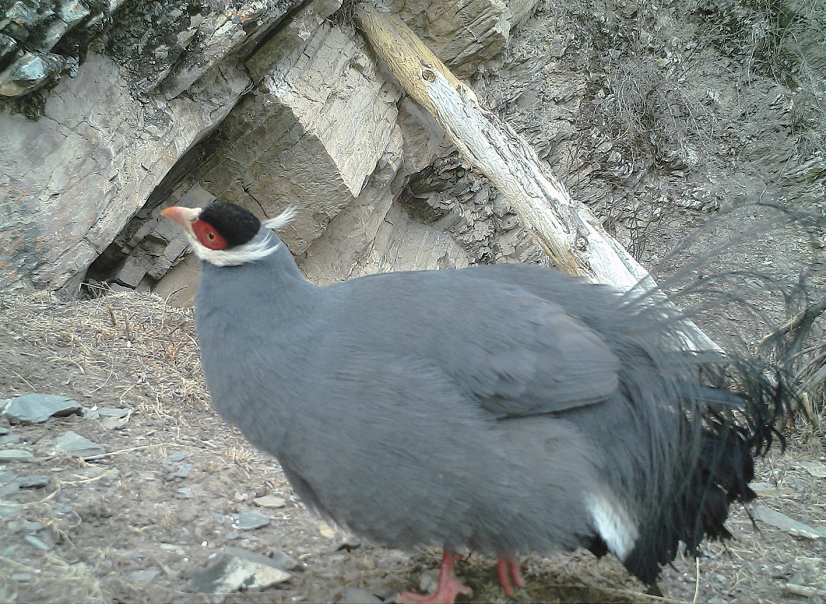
x,y
208,236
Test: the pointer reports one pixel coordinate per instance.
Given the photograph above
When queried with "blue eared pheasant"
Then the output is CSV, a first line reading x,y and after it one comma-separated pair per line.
x,y
501,409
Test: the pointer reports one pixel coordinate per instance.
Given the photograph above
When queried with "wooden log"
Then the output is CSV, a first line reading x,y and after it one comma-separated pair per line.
x,y
565,229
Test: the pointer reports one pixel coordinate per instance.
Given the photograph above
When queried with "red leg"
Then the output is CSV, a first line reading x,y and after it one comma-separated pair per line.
x,y
509,574
447,589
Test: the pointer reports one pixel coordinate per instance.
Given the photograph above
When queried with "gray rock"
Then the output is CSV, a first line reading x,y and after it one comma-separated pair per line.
x,y
354,595
9,483
7,45
61,509
183,471
120,149
72,12
36,408
815,468
20,17
235,569
28,71
277,559
469,32
9,488
113,412
133,271
270,501
144,576
21,577
30,528
9,508
784,523
8,455
39,544
32,481
78,446
9,439
251,519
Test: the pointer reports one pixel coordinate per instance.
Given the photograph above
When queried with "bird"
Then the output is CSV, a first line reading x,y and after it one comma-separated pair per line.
x,y
503,409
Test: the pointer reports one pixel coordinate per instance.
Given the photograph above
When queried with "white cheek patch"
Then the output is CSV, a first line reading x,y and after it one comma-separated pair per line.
x,y
255,250
613,523
262,246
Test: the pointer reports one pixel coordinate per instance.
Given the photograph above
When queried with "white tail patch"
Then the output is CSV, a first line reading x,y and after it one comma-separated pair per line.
x,y
282,220
613,523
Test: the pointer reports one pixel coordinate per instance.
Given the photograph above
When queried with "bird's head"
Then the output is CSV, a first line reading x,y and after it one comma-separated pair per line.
x,y
225,234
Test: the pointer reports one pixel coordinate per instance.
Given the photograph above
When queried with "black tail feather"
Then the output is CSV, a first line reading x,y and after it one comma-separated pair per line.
x,y
735,427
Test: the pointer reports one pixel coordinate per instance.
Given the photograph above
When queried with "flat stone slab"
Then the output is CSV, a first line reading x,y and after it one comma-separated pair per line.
x,y
270,501
783,522
815,468
79,446
37,408
8,455
251,519
235,569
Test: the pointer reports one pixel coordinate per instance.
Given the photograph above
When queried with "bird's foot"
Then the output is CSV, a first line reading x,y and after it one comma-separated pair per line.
x,y
446,590
509,575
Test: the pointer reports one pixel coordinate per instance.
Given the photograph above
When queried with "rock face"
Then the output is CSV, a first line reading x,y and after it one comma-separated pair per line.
x,y
114,110
107,137
77,175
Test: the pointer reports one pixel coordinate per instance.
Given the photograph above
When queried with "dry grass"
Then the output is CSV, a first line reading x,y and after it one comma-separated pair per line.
x,y
118,334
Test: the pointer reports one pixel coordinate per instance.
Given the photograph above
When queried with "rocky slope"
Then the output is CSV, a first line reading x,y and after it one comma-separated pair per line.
x,y
654,114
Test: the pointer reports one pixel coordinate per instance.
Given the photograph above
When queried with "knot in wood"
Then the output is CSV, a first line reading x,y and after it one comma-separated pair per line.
x,y
428,75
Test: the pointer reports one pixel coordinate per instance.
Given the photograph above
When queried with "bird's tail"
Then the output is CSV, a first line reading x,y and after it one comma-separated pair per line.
x,y
732,408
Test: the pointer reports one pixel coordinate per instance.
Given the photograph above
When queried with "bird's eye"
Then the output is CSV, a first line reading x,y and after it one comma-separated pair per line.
x,y
208,236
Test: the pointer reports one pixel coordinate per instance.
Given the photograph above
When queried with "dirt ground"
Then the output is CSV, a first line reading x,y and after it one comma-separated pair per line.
x,y
137,523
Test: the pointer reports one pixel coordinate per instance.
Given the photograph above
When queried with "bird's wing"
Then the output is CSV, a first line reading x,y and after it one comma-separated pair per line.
x,y
505,349
540,359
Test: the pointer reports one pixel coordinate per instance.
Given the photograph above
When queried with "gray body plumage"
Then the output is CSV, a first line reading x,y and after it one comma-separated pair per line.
x,y
504,409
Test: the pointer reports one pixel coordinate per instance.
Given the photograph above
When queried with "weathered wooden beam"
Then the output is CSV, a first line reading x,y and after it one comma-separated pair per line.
x,y
565,229
493,147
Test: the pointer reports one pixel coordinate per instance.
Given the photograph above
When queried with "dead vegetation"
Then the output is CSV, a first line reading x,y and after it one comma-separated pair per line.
x,y
112,333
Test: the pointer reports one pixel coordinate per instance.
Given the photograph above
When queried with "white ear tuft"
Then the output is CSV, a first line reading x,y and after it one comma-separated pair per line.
x,y
282,220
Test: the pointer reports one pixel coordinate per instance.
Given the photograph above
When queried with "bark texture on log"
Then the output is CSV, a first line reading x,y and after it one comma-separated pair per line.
x,y
576,245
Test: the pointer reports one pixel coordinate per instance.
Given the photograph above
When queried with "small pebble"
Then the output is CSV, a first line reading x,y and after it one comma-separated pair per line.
x,y
183,471
32,481
21,577
354,595
250,520
36,542
269,501
144,576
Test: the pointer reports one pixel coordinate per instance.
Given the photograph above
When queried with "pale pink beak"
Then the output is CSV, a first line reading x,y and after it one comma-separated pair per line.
x,y
183,216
